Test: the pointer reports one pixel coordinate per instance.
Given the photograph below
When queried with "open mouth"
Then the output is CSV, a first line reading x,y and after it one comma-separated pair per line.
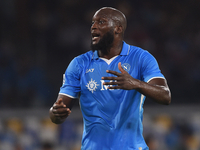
x,y
95,36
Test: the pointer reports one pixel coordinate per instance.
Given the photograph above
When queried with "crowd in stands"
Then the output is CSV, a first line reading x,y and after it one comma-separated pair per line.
x,y
37,132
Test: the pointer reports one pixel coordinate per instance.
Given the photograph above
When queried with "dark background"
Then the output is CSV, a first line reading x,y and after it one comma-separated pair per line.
x,y
38,39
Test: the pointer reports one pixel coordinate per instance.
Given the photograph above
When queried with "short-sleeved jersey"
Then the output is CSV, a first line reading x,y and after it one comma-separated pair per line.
x,y
112,118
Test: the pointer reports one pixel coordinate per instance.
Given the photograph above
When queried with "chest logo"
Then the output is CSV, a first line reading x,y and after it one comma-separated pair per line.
x,y
89,70
92,85
126,66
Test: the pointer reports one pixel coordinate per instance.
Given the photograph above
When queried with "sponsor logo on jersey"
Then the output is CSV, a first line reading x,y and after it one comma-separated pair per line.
x,y
89,70
105,87
92,85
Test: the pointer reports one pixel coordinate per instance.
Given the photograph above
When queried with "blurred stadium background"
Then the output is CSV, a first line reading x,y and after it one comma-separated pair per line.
x,y
38,39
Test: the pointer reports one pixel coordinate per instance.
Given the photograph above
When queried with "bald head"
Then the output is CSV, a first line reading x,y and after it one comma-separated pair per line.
x,y
107,31
117,16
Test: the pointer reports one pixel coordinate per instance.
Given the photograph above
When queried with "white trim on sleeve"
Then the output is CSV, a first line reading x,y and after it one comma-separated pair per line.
x,y
68,95
141,101
155,78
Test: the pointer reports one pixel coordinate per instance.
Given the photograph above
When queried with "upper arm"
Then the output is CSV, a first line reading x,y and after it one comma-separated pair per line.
x,y
159,82
153,76
149,67
71,80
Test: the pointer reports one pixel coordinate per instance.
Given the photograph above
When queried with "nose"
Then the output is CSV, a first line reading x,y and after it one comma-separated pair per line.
x,y
94,25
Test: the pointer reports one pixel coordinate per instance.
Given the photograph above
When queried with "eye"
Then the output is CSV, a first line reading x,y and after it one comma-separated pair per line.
x,y
101,21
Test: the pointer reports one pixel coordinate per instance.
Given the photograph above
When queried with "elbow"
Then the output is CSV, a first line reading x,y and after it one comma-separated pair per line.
x,y
164,98
167,100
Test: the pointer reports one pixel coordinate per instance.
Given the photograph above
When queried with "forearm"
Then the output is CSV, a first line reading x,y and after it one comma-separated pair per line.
x,y
158,93
156,89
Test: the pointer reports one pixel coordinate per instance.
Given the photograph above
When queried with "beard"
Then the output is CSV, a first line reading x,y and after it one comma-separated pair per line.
x,y
105,43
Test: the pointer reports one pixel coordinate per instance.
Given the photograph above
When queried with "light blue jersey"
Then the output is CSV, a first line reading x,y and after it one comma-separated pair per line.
x,y
112,118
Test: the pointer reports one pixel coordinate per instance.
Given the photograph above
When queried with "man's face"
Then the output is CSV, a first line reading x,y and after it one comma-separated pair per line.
x,y
102,31
104,43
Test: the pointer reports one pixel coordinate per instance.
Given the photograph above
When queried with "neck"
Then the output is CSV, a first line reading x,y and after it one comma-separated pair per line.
x,y
113,51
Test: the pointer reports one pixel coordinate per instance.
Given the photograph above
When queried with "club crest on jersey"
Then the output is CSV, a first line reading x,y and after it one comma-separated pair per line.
x,y
126,66
92,85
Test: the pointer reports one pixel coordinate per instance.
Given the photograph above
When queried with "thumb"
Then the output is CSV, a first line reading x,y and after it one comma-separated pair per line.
x,y
120,68
60,101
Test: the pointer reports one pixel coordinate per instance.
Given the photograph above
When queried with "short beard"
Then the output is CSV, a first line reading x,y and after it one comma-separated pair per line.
x,y
105,43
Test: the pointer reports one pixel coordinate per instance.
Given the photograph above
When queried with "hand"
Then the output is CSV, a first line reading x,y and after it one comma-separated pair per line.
x,y
123,80
59,110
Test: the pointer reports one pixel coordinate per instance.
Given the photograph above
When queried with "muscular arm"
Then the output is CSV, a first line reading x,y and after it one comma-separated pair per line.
x,y
61,109
156,89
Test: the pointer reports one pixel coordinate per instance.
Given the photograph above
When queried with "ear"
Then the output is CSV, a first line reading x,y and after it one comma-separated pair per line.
x,y
118,29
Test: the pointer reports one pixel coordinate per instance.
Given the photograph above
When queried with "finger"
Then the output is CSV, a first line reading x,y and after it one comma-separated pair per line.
x,y
120,68
69,111
114,87
58,110
111,83
60,102
110,78
57,106
61,110
63,114
113,72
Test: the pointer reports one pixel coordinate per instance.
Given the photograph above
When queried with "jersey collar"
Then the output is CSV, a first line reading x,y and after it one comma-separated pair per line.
x,y
125,51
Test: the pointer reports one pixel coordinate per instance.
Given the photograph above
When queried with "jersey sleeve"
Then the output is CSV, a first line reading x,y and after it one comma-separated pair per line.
x,y
71,80
150,67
